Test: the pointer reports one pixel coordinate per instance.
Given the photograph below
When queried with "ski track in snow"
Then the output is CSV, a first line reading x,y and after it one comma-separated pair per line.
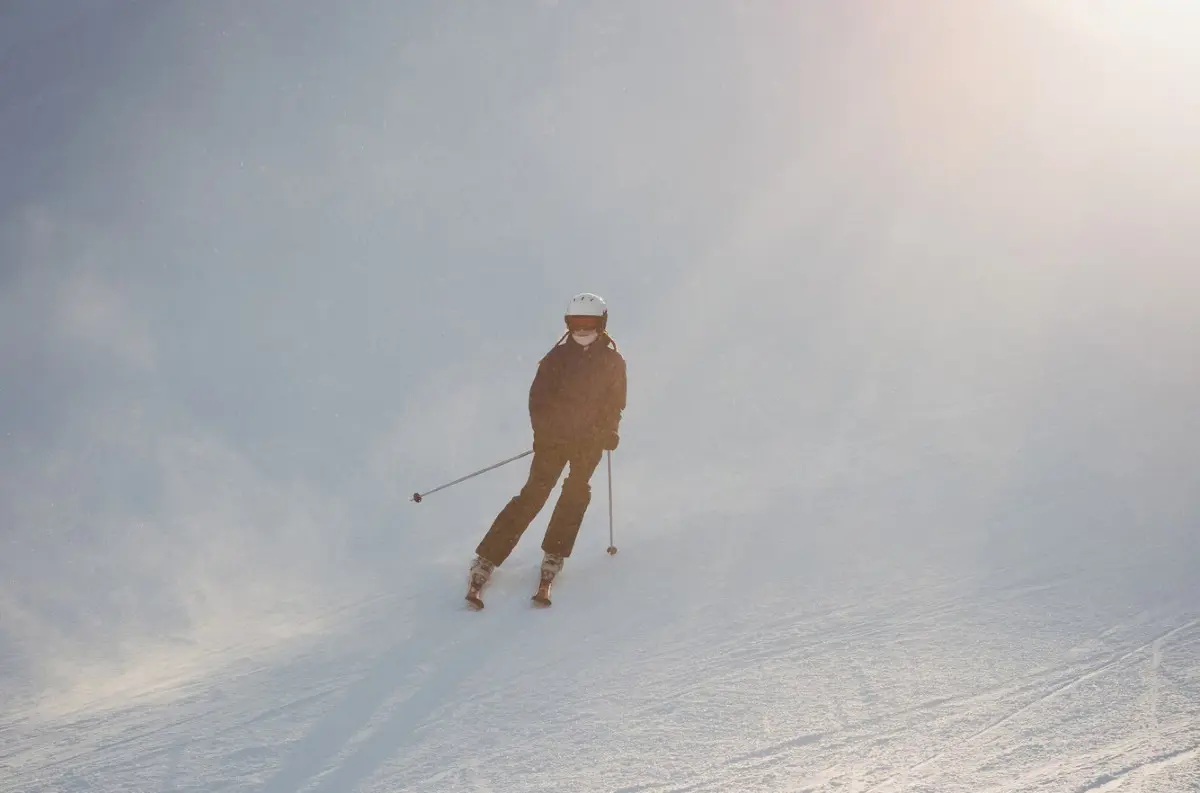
x,y
1055,690
1142,770
953,684
363,730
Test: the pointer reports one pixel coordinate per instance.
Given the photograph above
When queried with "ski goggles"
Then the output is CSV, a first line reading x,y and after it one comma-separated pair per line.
x,y
575,323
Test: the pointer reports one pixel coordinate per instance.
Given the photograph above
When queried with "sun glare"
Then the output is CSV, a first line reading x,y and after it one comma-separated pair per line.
x,y
1165,27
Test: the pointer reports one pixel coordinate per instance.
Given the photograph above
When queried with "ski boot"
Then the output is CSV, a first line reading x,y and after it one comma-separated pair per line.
x,y
481,572
552,564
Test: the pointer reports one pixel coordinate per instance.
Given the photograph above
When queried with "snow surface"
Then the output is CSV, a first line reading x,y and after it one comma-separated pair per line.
x,y
735,670
908,493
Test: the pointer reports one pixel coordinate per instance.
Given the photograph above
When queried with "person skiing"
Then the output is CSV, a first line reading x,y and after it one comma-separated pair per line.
x,y
575,406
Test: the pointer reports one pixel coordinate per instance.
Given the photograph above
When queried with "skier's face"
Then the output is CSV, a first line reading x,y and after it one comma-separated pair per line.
x,y
584,330
585,337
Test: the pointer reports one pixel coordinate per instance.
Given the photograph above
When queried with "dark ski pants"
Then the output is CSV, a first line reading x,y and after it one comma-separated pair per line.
x,y
547,466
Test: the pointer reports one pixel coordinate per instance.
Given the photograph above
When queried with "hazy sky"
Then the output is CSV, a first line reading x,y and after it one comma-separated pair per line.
x,y
267,268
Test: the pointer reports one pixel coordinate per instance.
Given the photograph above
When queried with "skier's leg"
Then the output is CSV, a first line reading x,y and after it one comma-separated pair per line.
x,y
572,504
510,524
481,573
551,565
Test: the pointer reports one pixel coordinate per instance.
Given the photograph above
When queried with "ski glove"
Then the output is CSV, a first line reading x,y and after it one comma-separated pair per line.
x,y
609,440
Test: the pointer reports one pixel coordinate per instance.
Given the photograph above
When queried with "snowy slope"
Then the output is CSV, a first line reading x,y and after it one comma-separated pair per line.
x,y
908,491
804,672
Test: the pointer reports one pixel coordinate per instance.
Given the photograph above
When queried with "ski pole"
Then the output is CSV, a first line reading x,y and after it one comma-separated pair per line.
x,y
612,548
418,496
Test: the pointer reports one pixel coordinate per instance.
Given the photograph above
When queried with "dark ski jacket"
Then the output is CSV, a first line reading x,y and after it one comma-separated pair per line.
x,y
578,393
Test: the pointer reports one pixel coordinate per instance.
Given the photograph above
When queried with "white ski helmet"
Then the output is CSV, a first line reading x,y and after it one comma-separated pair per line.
x,y
588,305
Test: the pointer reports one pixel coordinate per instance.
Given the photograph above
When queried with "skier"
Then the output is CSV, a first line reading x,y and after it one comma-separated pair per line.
x,y
575,406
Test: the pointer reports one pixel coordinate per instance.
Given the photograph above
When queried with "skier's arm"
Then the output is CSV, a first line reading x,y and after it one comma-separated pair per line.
x,y
615,403
540,395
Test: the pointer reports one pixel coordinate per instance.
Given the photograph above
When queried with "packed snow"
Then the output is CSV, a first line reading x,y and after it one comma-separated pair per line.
x,y
753,660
